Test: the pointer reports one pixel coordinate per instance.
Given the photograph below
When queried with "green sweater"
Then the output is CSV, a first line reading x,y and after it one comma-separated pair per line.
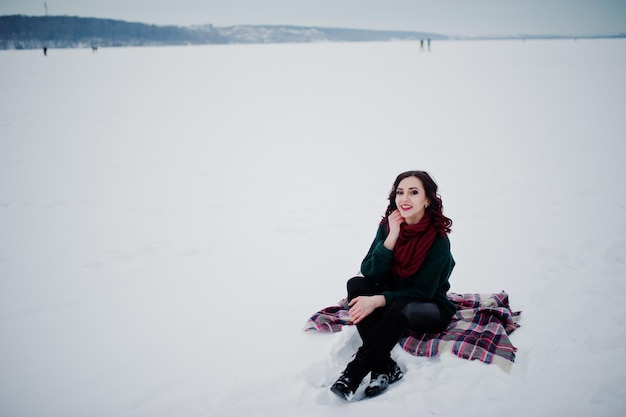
x,y
430,282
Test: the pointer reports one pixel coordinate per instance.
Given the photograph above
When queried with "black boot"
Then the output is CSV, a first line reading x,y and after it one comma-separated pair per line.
x,y
382,376
378,383
351,377
395,373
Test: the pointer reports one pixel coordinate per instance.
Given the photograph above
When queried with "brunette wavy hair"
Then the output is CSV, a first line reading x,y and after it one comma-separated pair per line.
x,y
442,223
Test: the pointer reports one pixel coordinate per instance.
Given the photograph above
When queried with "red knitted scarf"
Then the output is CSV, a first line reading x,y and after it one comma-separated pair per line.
x,y
411,247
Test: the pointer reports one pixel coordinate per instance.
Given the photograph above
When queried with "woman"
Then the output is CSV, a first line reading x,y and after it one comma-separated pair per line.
x,y
404,282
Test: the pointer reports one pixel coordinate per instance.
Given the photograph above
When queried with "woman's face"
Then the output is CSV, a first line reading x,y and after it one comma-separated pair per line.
x,y
411,199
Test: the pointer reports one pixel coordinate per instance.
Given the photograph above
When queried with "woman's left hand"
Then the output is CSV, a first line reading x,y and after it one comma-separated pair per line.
x,y
362,306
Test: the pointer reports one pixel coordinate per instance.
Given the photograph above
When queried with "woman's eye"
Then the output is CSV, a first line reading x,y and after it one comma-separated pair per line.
x,y
398,192
414,192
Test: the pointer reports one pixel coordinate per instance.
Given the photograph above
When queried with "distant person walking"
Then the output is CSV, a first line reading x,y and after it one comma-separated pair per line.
x,y
45,51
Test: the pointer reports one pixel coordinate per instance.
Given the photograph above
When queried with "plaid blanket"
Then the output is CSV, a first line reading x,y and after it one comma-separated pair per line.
x,y
479,330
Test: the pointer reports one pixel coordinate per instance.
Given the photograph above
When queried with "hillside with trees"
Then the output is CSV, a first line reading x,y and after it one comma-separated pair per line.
x,y
34,32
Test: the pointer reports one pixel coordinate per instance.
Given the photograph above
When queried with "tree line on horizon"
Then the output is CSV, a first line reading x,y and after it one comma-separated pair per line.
x,y
36,32
33,32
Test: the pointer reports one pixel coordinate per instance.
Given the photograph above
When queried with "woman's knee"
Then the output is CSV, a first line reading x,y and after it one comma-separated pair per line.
x,y
424,317
360,286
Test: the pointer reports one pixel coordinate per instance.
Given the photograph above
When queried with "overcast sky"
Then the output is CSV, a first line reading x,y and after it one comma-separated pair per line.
x,y
448,17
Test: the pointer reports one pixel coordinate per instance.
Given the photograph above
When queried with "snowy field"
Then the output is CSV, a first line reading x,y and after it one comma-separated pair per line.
x,y
170,217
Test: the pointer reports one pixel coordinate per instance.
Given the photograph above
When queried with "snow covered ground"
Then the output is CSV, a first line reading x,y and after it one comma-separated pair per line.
x,y
170,217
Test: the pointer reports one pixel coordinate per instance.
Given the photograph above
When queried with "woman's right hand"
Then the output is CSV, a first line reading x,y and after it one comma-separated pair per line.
x,y
395,219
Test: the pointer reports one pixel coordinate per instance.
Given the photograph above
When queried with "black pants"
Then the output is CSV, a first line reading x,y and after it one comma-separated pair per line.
x,y
382,329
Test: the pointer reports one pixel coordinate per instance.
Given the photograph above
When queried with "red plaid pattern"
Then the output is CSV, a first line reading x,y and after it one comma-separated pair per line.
x,y
480,329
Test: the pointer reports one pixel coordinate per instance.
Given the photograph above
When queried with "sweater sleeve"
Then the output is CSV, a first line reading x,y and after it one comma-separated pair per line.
x,y
376,264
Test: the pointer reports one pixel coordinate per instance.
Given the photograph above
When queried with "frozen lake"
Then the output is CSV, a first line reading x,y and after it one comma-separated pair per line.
x,y
170,217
